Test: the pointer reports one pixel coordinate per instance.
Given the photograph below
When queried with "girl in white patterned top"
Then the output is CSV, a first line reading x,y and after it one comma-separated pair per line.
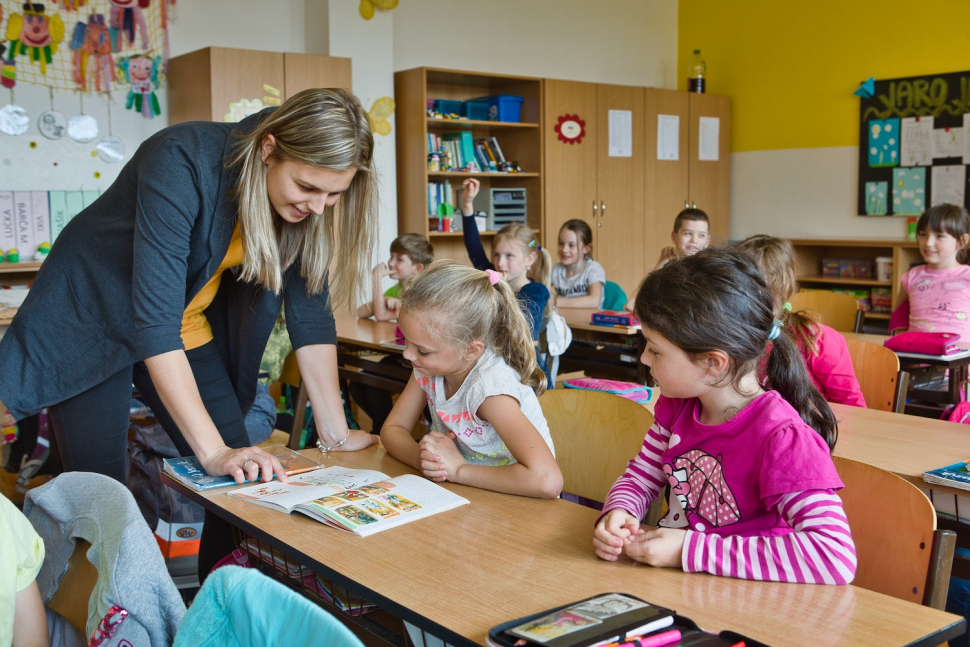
x,y
475,367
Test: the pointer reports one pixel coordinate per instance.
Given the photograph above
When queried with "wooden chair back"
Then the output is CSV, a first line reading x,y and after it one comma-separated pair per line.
x,y
291,375
595,435
75,587
839,311
893,524
877,369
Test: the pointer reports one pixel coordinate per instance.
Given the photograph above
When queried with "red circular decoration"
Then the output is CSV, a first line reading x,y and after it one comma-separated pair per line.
x,y
570,129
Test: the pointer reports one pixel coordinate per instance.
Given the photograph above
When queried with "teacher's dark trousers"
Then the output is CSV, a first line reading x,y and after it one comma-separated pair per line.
x,y
91,431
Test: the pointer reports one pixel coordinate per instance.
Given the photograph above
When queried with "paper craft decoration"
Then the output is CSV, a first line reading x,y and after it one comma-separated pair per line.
x,y
876,193
111,149
92,40
378,114
8,70
570,129
82,128
867,89
141,72
35,34
13,120
367,7
883,142
239,110
52,124
126,19
909,190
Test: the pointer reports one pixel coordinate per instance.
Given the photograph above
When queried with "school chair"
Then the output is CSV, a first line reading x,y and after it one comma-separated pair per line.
x,y
876,367
614,298
241,606
291,375
838,311
900,551
595,435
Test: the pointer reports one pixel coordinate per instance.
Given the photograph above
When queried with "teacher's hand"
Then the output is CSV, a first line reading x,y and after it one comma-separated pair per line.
x,y
356,439
248,463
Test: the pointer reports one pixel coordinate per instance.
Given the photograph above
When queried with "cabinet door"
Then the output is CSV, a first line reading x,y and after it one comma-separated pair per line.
x,y
619,232
570,168
667,182
305,71
710,181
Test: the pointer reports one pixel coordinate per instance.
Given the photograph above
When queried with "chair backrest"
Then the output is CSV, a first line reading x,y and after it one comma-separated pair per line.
x,y
877,369
241,606
291,375
614,298
595,435
899,550
838,311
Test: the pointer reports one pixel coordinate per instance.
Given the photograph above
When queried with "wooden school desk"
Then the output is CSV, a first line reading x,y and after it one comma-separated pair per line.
x,y
460,572
603,351
357,340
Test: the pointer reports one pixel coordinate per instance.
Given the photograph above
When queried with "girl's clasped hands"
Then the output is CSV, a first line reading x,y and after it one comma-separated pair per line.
x,y
620,532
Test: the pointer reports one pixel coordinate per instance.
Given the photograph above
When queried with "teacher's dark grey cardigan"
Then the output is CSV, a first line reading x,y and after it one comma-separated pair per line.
x,y
119,277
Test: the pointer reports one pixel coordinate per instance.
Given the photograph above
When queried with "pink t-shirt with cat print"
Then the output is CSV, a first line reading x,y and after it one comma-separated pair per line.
x,y
939,300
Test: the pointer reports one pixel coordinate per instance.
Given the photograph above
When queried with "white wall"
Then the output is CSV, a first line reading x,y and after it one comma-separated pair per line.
x,y
802,193
630,42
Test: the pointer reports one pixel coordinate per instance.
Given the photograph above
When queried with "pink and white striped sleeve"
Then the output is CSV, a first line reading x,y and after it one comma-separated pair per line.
x,y
644,477
819,551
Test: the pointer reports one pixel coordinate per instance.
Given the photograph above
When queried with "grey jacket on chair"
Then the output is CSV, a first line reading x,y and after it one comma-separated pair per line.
x,y
131,571
120,275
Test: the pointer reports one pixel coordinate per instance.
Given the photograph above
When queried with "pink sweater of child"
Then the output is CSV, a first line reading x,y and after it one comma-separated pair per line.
x,y
755,494
939,300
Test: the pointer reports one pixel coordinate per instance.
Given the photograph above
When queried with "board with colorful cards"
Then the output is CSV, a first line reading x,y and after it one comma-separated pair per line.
x,y
610,620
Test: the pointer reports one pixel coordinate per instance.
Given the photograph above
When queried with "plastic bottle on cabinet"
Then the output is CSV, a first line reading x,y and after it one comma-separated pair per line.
x,y
697,73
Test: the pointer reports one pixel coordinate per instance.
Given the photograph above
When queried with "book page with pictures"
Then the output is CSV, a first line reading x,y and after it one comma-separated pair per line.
x,y
307,486
383,504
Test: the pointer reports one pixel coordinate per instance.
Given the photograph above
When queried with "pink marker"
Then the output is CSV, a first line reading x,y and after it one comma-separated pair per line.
x,y
656,640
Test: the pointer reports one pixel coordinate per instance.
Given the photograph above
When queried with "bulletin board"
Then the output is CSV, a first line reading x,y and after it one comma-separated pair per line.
x,y
914,144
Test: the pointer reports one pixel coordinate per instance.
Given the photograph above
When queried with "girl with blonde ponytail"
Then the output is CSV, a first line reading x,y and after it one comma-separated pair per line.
x,y
475,363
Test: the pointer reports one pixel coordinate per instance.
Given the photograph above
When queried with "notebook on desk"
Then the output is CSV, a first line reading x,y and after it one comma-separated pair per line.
x,y
960,354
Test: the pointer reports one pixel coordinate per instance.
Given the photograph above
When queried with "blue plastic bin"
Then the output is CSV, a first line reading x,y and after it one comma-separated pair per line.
x,y
475,110
447,106
504,107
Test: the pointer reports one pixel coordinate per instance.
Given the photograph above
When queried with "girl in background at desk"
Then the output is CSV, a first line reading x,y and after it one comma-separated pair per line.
x,y
475,366
824,349
751,479
936,297
578,279
516,255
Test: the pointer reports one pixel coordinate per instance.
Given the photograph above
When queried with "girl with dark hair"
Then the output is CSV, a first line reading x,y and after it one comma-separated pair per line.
x,y
752,484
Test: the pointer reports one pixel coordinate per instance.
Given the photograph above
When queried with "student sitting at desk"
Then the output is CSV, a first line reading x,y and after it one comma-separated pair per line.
x,y
475,365
936,297
410,253
579,280
824,349
516,255
752,484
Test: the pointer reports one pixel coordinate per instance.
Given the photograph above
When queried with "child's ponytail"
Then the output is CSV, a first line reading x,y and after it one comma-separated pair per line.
x,y
787,375
511,338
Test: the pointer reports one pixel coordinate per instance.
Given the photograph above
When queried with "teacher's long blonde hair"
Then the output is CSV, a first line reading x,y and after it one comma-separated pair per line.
x,y
327,128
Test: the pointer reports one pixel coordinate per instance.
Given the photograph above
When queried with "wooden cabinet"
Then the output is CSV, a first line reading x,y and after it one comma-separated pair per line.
x,y
202,84
810,252
672,185
521,142
587,181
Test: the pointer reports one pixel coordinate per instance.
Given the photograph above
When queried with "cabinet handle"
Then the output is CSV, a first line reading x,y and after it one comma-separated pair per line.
x,y
686,204
602,209
594,209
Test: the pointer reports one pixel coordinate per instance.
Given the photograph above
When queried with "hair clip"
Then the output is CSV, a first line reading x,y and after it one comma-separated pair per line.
x,y
493,276
787,306
532,243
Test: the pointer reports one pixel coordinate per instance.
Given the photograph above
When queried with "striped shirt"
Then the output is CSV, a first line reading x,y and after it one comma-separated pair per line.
x,y
756,495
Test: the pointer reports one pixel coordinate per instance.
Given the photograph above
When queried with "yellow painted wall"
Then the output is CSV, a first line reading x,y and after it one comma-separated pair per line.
x,y
790,66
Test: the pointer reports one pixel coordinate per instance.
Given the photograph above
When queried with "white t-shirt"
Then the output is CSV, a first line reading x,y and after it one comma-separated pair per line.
x,y
578,285
476,439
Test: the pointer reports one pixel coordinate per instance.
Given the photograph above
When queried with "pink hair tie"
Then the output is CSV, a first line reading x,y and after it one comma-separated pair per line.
x,y
493,276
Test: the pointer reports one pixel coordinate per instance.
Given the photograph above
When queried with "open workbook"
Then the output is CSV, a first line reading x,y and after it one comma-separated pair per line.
x,y
359,501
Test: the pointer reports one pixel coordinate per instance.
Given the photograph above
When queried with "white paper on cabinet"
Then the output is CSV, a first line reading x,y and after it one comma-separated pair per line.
x,y
621,133
708,135
668,137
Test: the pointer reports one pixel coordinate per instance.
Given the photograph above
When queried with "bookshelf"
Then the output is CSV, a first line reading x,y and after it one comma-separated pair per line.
x,y
521,142
809,253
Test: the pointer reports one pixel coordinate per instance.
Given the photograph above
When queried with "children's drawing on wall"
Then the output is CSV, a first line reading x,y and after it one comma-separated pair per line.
x,y
916,139
883,143
876,198
947,142
141,73
948,184
909,190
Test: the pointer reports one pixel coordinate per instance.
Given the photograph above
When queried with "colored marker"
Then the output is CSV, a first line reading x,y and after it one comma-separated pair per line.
x,y
656,640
